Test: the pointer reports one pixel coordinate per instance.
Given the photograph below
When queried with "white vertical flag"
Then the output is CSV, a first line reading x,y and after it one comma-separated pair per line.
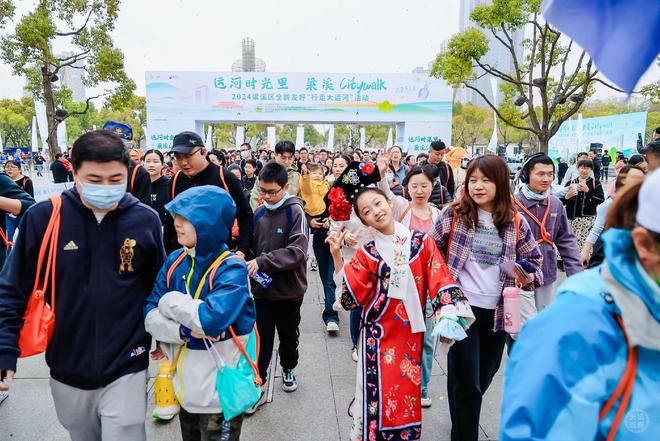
x,y
61,137
331,139
40,112
492,144
389,142
300,137
363,137
271,137
35,139
209,138
240,135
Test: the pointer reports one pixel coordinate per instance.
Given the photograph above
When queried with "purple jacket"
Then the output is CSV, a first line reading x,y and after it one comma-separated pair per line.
x,y
559,232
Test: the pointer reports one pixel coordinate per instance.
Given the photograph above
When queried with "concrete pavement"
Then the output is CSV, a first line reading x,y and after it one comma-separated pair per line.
x,y
316,411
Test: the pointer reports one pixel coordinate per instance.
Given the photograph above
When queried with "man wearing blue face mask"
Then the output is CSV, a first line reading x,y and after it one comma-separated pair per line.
x,y
109,252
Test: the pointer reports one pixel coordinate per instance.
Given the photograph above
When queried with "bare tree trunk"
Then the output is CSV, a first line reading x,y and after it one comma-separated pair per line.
x,y
49,101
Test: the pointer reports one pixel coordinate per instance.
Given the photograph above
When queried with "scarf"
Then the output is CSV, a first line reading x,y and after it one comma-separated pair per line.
x,y
395,251
532,195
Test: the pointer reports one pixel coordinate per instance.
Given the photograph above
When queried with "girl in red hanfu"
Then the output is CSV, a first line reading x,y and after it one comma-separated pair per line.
x,y
390,278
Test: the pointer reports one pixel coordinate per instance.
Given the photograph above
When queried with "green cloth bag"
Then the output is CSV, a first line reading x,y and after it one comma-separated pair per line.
x,y
236,386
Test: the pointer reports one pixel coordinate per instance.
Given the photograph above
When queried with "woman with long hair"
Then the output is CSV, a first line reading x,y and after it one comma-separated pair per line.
x,y
160,185
479,233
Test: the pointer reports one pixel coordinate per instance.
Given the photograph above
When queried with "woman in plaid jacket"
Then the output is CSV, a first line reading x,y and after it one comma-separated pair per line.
x,y
478,233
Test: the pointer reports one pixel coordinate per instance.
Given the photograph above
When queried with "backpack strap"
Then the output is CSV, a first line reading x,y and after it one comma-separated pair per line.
x,y
176,176
623,389
405,212
222,178
516,222
545,236
133,175
288,211
175,264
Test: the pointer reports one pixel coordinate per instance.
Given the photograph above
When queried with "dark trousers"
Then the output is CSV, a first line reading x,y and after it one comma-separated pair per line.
x,y
326,272
356,319
209,427
284,316
471,364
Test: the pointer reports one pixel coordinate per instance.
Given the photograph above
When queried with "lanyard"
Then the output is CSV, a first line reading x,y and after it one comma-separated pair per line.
x,y
545,236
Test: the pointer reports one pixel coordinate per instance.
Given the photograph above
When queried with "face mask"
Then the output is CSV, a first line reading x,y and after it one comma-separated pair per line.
x,y
245,154
102,196
278,204
390,178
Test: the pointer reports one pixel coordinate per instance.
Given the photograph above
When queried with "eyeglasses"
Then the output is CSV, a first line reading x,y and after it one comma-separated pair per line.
x,y
270,193
186,156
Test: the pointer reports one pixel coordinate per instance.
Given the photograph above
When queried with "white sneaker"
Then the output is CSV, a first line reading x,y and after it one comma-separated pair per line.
x,y
332,327
262,399
426,402
354,354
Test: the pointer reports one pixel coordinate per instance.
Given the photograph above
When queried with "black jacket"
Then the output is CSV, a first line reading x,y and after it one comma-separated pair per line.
x,y
211,176
11,190
139,183
445,175
160,190
584,203
439,195
60,173
99,333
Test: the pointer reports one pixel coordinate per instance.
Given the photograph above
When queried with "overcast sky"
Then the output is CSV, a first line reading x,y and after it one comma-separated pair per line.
x,y
364,36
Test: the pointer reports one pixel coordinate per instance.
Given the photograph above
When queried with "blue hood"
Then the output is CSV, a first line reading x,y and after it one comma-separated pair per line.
x,y
623,263
211,210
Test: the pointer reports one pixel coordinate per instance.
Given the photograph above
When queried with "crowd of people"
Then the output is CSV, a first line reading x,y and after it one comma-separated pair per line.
x,y
430,260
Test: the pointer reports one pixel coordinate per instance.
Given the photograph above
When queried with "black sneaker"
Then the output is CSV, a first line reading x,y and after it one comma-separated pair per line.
x,y
289,383
253,409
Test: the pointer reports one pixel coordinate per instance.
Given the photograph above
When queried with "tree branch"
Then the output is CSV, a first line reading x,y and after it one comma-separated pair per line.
x,y
498,73
499,115
604,83
530,99
68,34
81,112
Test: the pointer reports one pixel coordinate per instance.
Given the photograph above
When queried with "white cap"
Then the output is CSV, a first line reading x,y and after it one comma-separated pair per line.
x,y
648,213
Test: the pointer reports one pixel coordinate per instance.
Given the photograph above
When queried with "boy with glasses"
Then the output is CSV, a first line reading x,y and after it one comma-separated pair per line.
x,y
279,250
285,152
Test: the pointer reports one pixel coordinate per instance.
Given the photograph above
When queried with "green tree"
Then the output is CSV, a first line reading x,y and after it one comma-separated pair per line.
x,y
85,27
652,91
547,87
16,121
471,125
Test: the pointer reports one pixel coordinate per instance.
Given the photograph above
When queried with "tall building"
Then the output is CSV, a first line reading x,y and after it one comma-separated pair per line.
x,y
498,56
248,62
72,78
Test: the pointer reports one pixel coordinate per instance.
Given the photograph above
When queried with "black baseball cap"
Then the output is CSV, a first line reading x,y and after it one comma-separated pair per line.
x,y
185,142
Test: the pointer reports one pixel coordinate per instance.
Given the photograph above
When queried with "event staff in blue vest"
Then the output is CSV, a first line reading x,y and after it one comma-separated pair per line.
x,y
190,154
109,252
139,182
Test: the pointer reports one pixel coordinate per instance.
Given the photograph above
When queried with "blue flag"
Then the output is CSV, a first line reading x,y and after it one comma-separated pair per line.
x,y
621,36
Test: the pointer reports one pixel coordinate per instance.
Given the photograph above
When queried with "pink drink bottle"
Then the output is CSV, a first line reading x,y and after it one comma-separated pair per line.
x,y
512,323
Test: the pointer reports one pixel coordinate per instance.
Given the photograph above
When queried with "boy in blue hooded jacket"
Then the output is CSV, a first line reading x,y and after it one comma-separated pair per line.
x,y
185,307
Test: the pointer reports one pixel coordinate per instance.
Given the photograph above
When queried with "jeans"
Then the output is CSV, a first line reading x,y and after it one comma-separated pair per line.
x,y
356,317
40,169
284,316
471,365
326,272
428,349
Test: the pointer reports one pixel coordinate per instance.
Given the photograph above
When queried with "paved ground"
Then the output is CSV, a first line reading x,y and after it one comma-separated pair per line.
x,y
316,411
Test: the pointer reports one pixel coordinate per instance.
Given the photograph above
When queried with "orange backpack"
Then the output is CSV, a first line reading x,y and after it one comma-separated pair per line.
x,y
39,318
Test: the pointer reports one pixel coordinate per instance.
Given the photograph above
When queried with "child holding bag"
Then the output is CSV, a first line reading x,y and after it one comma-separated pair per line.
x,y
202,313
